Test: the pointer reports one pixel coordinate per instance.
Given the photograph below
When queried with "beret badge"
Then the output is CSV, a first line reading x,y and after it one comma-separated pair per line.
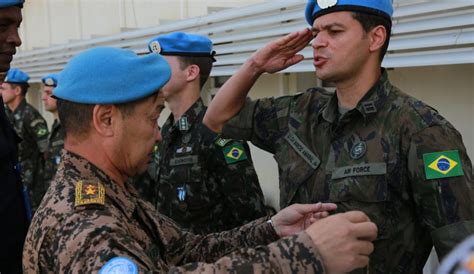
x,y
155,47
324,4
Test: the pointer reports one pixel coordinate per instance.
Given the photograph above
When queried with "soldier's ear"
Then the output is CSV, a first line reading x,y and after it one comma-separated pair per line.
x,y
377,37
103,119
17,90
192,72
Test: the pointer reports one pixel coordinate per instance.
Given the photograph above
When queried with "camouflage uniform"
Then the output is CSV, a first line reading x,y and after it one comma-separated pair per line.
x,y
369,159
201,186
55,144
33,130
86,219
145,183
12,211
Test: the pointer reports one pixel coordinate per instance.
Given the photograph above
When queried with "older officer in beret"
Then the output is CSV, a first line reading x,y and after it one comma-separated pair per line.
x,y
203,182
91,220
14,222
368,146
56,136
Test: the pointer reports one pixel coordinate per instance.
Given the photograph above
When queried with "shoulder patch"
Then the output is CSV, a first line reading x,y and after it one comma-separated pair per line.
x,y
119,265
89,192
442,164
222,142
234,153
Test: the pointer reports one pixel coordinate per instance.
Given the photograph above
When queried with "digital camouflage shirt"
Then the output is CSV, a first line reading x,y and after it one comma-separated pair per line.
x,y
33,130
205,183
53,154
392,157
86,220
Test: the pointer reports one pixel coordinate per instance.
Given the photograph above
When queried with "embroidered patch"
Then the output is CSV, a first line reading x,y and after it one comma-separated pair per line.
x,y
358,150
442,164
234,153
222,142
119,265
89,192
41,132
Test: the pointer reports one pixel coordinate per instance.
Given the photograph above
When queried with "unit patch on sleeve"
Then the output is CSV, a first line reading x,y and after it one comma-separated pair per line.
x,y
442,164
234,153
89,192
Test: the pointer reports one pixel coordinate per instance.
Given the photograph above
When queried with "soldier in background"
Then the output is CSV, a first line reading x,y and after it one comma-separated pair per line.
x,y
32,129
368,146
13,216
91,220
203,182
56,136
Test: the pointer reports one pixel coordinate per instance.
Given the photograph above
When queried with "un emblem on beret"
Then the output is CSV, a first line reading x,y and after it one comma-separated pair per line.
x,y
155,47
49,82
324,4
358,150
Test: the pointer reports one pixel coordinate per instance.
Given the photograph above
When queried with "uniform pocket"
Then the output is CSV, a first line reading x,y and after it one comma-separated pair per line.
x,y
363,187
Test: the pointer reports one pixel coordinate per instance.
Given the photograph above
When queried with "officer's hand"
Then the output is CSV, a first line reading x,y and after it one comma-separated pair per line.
x,y
281,53
297,217
344,241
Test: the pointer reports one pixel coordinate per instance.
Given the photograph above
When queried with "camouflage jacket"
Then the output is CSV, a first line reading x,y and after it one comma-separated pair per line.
x,y
86,219
205,183
53,154
379,157
33,130
12,211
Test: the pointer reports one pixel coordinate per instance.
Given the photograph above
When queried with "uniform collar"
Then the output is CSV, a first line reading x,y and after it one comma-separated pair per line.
x,y
190,117
20,107
125,199
369,105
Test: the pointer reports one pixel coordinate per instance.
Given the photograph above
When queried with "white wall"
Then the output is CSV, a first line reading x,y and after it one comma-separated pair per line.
x,y
50,22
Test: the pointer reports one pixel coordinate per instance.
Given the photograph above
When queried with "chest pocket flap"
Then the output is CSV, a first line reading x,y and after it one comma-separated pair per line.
x,y
296,164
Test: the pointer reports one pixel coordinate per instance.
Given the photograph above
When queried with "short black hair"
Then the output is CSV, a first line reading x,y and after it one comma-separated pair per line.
x,y
75,118
370,21
203,62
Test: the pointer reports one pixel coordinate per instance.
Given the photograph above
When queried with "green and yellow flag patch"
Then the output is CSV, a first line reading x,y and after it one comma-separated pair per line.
x,y
234,153
442,164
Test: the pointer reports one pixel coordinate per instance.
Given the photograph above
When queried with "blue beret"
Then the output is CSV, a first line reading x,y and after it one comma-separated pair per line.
x,y
16,76
182,44
316,8
106,75
50,80
9,3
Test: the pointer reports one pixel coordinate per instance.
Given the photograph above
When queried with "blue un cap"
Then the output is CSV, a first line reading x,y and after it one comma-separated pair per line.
x,y
16,76
182,44
106,75
10,3
316,8
50,80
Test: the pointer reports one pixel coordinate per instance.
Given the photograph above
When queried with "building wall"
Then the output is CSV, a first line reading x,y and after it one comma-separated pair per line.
x,y
51,22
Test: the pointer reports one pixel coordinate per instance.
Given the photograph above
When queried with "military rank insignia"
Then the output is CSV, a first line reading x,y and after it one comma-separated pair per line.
x,y
89,192
222,142
443,164
234,153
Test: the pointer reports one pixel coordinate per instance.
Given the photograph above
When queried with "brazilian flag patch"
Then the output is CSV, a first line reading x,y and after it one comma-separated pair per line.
x,y
442,164
234,153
